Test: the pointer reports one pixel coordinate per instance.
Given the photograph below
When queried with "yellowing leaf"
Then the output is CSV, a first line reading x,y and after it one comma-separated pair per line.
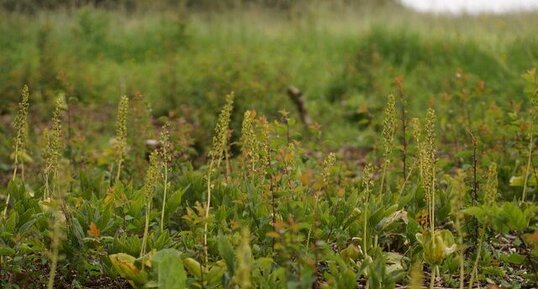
x,y
93,230
125,266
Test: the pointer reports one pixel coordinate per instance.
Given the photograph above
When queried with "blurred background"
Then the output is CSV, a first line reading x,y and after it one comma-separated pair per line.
x,y
180,58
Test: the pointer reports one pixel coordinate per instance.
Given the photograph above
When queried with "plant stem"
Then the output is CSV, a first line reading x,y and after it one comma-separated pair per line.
x,y
432,203
477,259
118,173
432,277
404,128
227,163
164,195
407,178
55,250
529,161
208,204
273,207
146,229
364,231
15,164
461,257
313,226
385,164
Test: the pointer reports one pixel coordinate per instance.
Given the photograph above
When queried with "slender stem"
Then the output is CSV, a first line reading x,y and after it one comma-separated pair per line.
x,y
365,228
227,163
474,194
46,195
432,277
477,259
110,172
273,207
313,226
527,170
404,129
15,165
385,164
208,205
164,195
4,214
364,232
146,229
22,171
119,172
461,256
432,203
15,162
407,178
55,245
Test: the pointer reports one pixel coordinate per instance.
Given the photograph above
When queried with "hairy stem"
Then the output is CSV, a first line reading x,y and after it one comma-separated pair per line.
x,y
432,277
118,174
55,246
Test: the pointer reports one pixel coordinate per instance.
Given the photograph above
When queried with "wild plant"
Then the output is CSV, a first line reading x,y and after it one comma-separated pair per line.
x,y
120,142
428,161
150,182
57,225
367,184
528,167
218,152
165,152
327,168
21,138
459,190
389,129
403,118
433,242
20,154
490,195
416,278
250,145
532,92
54,145
139,130
243,255
417,136
55,189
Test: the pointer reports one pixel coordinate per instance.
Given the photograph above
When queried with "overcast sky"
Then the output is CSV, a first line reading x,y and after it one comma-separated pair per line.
x,y
471,6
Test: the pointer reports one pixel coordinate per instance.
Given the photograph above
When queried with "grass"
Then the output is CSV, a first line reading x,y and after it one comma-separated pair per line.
x,y
362,197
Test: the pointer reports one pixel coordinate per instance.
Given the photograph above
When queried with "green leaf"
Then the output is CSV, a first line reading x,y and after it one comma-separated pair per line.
x,y
477,212
516,181
346,279
215,274
398,215
169,268
226,251
6,251
515,258
437,246
515,217
193,267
